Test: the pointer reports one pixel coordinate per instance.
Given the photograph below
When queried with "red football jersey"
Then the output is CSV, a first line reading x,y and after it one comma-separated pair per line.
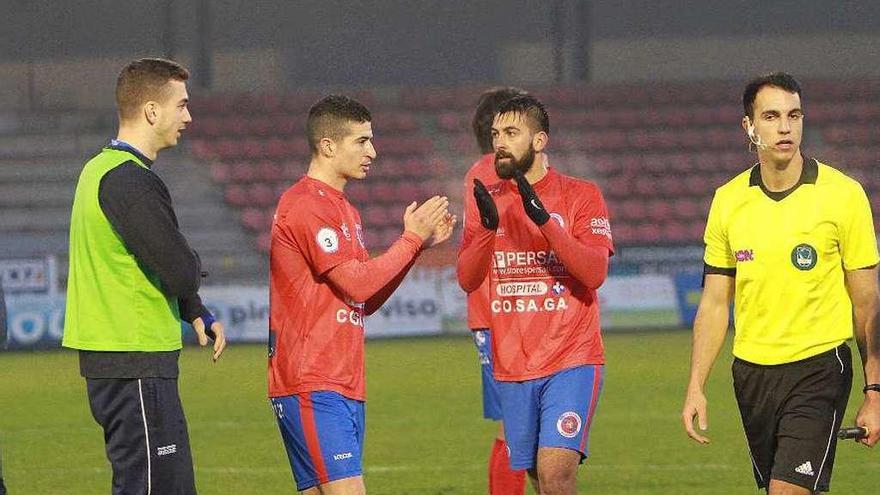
x,y
478,300
543,320
316,337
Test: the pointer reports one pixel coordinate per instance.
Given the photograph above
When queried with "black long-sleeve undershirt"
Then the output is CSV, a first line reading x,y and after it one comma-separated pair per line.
x,y
138,206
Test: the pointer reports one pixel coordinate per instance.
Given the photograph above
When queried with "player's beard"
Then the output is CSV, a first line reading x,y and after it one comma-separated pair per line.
x,y
523,164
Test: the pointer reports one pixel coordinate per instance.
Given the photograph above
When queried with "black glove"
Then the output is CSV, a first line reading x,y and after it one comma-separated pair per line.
x,y
486,205
531,202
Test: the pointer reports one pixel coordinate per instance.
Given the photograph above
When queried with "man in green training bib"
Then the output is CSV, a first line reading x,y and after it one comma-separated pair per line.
x,y
133,278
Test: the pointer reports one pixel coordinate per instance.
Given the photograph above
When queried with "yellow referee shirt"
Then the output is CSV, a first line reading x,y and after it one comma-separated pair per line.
x,y
788,252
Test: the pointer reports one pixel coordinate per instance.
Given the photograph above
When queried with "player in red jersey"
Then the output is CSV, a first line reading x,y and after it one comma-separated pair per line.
x,y
502,479
544,240
322,283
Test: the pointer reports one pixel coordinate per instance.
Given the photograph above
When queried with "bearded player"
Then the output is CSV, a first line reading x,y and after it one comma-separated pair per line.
x,y
544,241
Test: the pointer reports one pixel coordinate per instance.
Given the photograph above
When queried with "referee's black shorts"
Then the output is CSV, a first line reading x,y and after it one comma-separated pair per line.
x,y
791,413
145,435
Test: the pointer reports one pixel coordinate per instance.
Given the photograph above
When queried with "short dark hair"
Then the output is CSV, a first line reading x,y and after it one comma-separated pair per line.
x,y
330,116
487,106
143,80
776,79
530,107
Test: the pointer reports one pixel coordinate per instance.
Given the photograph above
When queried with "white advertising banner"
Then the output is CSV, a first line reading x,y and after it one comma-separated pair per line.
x,y
428,302
29,276
243,310
415,308
637,292
639,302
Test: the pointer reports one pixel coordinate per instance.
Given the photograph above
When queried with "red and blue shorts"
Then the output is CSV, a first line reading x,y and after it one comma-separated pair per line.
x,y
554,411
491,402
323,433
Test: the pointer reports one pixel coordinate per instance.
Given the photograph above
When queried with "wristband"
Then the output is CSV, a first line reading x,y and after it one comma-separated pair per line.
x,y
208,319
871,387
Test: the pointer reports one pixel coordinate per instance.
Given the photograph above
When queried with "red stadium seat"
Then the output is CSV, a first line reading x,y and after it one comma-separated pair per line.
x,y
675,232
269,171
254,219
262,195
648,234
623,232
374,216
235,195
357,192
632,210
658,211
263,241
670,186
406,191
243,172
220,172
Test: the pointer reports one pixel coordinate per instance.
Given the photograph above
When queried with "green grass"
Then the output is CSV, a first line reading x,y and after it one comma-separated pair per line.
x,y
425,433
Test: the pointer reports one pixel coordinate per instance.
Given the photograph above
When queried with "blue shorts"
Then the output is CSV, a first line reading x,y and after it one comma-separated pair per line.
x,y
323,433
554,411
491,401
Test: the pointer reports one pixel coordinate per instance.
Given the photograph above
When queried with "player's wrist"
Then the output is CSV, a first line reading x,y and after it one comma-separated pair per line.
x,y
872,390
695,386
414,237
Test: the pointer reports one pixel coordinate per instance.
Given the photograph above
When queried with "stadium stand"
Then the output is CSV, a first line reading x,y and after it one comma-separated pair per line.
x,y
657,150
40,160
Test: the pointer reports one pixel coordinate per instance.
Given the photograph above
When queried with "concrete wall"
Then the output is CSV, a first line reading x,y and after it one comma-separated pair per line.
x,y
735,57
67,53
89,83
712,57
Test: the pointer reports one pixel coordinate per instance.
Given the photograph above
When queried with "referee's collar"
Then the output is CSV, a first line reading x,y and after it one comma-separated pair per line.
x,y
809,175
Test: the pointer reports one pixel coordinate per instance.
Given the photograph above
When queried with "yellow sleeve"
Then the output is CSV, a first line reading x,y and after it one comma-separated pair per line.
x,y
718,253
858,242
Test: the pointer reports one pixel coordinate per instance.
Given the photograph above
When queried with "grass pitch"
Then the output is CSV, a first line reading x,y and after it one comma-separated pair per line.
x,y
425,432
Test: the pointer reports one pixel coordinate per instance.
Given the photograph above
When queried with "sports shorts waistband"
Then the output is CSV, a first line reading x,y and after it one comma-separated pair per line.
x,y
817,357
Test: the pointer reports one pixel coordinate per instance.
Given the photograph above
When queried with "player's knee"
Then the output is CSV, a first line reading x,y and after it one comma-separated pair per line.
x,y
779,487
557,480
345,486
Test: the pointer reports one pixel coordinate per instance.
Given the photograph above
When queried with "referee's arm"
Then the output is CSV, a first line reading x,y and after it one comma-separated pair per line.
x,y
863,290
710,328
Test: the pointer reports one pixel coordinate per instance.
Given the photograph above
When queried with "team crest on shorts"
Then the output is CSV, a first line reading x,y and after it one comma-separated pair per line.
x,y
804,257
569,424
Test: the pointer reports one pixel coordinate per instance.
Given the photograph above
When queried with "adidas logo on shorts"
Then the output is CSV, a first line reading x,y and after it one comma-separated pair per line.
x,y
805,468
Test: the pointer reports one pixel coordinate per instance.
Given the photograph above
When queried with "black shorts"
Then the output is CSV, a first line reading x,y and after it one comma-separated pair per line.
x,y
145,435
790,414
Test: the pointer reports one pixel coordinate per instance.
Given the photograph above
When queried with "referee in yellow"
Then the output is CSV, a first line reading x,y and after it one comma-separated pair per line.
x,y
791,241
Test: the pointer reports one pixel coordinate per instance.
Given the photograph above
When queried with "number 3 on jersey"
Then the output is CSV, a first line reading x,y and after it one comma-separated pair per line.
x,y
327,240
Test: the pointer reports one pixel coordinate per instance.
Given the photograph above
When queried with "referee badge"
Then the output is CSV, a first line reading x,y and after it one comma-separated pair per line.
x,y
804,257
